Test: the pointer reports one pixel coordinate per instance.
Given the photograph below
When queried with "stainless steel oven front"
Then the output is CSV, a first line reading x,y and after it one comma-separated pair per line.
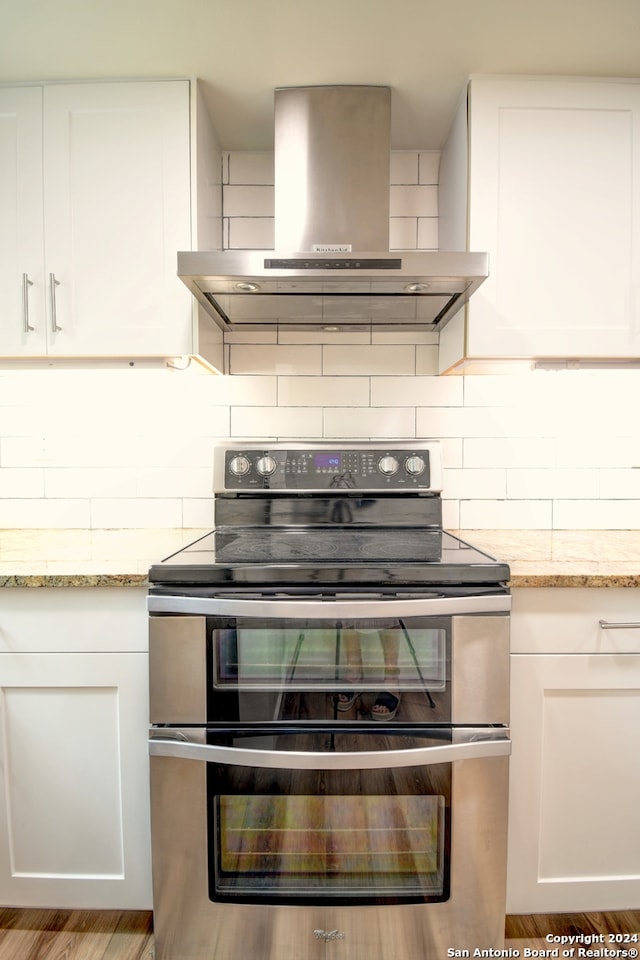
x,y
288,818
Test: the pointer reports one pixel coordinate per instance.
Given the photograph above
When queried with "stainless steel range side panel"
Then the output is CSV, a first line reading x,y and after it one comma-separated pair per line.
x,y
480,669
177,670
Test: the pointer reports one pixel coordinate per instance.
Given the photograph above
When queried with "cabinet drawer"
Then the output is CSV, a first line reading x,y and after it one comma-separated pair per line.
x,y
567,620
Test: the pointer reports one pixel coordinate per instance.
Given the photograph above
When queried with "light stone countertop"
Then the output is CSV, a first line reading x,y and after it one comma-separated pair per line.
x,y
86,558
90,558
563,558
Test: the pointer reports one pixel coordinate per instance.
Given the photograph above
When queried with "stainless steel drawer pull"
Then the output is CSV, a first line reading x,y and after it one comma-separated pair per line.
x,y
53,283
608,625
26,283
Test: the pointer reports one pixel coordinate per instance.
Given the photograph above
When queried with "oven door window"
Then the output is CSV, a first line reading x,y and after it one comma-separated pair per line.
x,y
355,836
288,657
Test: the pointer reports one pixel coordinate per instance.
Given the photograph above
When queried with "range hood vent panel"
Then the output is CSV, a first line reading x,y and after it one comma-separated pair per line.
x,y
332,159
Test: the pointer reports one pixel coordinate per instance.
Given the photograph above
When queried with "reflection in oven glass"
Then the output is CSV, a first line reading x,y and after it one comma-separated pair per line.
x,y
328,845
302,656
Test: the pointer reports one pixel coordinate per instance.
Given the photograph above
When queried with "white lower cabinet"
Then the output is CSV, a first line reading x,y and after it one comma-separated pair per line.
x,y
574,817
74,807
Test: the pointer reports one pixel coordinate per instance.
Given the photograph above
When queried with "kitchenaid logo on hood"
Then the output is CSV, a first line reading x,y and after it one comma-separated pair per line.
x,y
331,247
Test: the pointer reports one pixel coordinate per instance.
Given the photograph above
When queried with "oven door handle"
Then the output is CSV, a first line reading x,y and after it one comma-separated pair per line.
x,y
329,609
472,749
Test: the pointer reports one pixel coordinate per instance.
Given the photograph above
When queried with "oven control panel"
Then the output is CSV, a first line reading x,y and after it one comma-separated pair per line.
x,y
308,468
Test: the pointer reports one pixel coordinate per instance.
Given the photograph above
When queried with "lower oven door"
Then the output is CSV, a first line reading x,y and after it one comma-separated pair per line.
x,y
280,844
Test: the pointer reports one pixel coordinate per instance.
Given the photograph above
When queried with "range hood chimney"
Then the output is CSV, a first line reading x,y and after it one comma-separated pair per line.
x,y
332,268
332,168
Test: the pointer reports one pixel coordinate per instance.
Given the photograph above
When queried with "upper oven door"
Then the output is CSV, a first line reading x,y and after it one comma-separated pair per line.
x,y
224,660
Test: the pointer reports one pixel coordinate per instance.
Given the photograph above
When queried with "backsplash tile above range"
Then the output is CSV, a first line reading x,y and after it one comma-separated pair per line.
x,y
107,448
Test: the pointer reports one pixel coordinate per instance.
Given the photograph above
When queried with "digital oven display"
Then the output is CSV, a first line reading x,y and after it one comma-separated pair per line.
x,y
327,461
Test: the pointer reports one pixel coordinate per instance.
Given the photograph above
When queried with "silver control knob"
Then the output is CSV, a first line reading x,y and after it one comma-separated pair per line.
x,y
266,466
387,466
240,466
414,466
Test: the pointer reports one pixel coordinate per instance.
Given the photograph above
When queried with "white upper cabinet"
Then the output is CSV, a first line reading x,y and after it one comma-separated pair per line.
x,y
95,180
550,172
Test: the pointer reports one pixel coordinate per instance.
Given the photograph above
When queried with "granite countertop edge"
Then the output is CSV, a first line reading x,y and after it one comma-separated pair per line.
x,y
121,558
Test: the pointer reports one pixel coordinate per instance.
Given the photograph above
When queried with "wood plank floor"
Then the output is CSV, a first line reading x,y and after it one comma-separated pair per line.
x,y
127,935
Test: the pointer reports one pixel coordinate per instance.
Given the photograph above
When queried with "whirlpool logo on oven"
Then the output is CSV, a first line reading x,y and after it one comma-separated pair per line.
x,y
328,935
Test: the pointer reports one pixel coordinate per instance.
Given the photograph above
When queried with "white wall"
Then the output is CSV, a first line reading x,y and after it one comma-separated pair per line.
x,y
134,448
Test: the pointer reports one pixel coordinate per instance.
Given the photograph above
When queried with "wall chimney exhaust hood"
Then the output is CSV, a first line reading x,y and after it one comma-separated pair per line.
x,y
331,267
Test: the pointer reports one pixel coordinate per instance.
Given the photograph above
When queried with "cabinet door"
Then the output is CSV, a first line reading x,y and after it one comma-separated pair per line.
x,y
574,837
117,210
22,328
74,811
554,199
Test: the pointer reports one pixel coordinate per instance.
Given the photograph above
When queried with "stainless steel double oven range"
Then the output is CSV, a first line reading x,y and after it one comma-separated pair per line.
x,y
329,708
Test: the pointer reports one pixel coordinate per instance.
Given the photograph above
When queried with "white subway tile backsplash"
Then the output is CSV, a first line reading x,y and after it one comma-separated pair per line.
x,y
551,484
382,423
475,484
619,484
426,360
323,391
413,201
505,514
416,391
404,166
248,391
416,337
451,514
429,165
371,360
585,451
403,233
250,233
277,422
247,201
596,514
509,452
250,167
428,233
46,513
138,513
174,482
198,513
90,482
21,483
340,337
276,359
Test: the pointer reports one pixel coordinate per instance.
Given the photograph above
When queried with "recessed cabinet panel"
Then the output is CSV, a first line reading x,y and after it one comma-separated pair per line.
x,y
52,828
584,831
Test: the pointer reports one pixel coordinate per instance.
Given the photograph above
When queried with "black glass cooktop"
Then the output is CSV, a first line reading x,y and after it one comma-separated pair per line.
x,y
377,557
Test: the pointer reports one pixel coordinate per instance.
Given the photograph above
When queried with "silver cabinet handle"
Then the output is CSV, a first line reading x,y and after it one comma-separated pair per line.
x,y
53,283
298,760
26,283
608,625
329,609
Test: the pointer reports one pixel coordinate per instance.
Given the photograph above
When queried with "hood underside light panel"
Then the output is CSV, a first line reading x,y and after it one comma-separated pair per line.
x,y
255,289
